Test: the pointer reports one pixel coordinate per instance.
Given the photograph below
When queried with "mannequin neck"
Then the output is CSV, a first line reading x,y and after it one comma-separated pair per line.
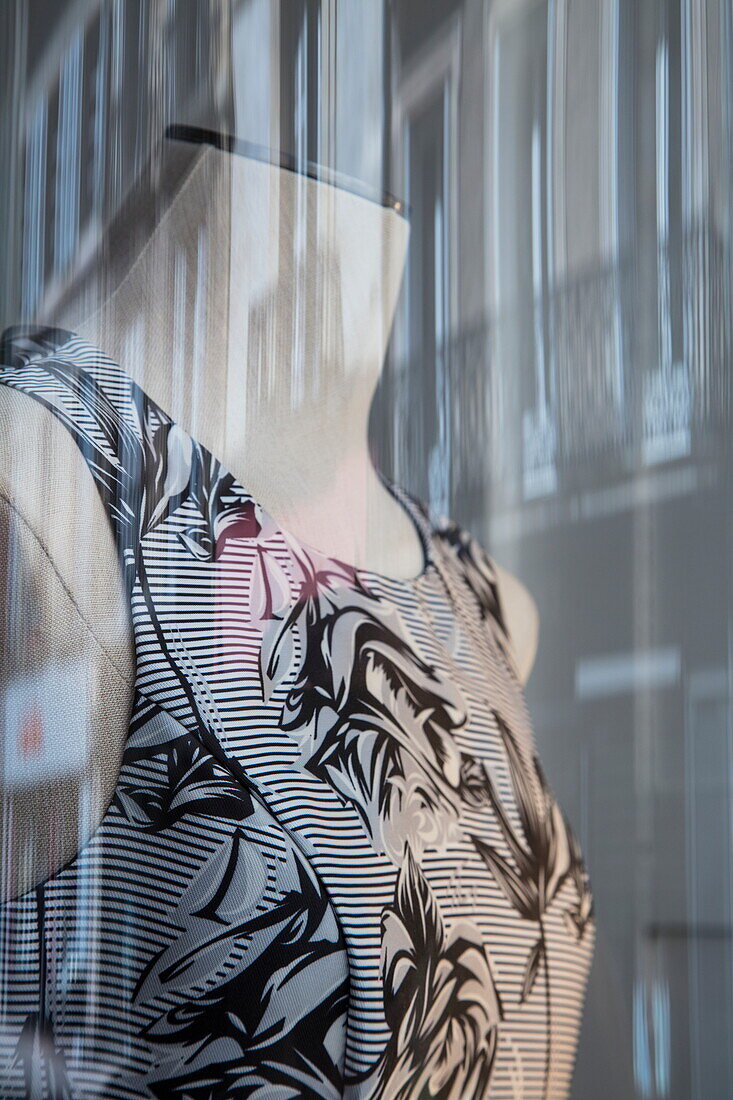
x,y
257,315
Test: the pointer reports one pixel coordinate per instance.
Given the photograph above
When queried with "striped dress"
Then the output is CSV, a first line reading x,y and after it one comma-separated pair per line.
x,y
332,865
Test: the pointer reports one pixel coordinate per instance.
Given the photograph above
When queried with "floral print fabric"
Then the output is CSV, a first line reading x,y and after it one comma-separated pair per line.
x,y
333,865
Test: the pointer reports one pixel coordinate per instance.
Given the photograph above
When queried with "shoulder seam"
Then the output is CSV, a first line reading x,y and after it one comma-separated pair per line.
x,y
72,599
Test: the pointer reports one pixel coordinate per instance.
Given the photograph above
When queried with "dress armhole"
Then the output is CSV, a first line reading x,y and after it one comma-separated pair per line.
x,y
518,612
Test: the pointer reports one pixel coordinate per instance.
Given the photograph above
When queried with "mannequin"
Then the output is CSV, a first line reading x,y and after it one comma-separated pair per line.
x,y
257,315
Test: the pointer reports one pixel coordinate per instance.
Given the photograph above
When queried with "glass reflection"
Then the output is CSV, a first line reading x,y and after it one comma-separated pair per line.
x,y
558,377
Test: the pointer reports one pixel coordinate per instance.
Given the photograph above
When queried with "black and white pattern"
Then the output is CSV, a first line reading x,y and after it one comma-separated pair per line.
x,y
333,865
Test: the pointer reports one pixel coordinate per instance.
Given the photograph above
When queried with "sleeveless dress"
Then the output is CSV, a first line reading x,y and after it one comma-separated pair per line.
x,y
332,865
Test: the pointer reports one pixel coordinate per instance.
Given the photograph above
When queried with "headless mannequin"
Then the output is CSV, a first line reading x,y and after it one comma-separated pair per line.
x,y
257,315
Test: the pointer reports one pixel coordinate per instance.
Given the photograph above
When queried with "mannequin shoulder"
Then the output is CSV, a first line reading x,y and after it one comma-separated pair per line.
x,y
66,655
46,482
522,618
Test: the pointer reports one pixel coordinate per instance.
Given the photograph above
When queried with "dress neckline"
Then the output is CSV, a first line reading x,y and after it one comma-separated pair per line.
x,y
410,507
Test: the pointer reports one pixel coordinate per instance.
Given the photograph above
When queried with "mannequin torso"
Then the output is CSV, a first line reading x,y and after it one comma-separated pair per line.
x,y
257,316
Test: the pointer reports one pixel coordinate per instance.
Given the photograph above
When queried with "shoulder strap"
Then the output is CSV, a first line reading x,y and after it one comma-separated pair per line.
x,y
91,400
144,465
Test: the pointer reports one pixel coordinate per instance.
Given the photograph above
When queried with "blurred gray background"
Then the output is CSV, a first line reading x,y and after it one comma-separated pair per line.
x,y
558,377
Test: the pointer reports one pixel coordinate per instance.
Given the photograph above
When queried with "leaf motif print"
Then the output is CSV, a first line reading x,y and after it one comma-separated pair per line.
x,y
521,892
43,1065
36,1053
229,999
319,583
478,573
268,590
171,455
213,914
440,1001
210,483
278,640
579,915
240,881
144,465
190,782
266,1028
473,786
373,719
531,970
541,859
